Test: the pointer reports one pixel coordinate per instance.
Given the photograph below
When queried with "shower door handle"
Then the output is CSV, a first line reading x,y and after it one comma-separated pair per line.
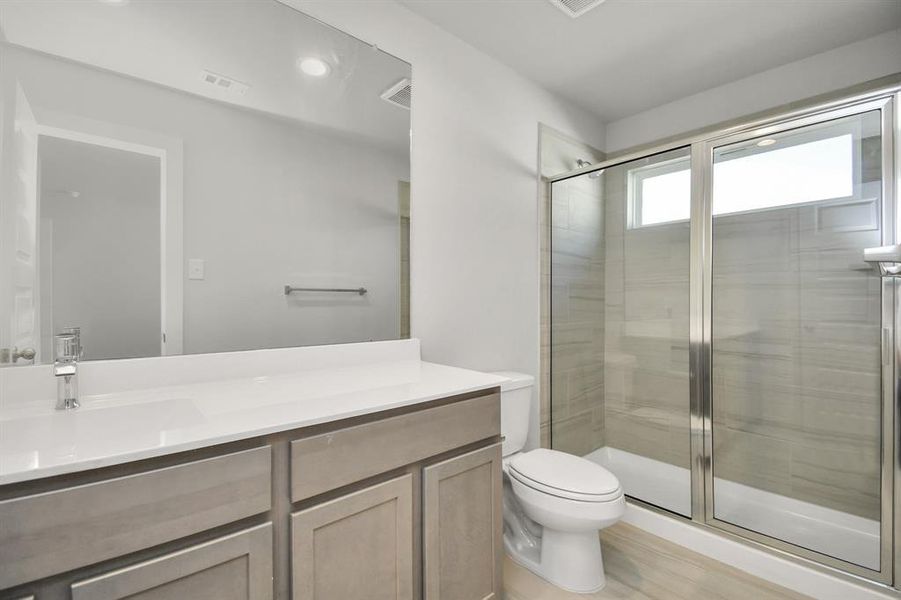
x,y
886,259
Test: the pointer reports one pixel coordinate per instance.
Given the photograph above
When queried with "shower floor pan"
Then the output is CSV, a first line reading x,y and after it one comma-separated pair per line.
x,y
839,534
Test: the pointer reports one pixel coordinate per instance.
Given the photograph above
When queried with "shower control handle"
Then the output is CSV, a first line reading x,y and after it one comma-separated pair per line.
x,y
887,259
883,254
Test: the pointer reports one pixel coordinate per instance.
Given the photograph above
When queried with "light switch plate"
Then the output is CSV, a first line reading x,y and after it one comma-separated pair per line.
x,y
195,268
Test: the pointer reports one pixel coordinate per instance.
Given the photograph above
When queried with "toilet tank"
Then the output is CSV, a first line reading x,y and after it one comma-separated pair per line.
x,y
516,408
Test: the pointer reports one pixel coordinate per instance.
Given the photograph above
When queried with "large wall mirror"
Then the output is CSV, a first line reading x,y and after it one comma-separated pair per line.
x,y
182,177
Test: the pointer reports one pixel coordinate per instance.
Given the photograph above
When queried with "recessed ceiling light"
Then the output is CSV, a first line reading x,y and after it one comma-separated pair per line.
x,y
766,142
115,2
314,67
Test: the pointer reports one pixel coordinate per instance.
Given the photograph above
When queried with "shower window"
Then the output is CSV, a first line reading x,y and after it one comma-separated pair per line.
x,y
660,193
771,172
775,171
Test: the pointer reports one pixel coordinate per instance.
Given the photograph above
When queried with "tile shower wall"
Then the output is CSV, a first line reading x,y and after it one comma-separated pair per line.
x,y
646,396
559,154
795,395
796,407
577,315
797,380
619,323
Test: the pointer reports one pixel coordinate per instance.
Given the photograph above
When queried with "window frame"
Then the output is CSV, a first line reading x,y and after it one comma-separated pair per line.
x,y
829,130
634,180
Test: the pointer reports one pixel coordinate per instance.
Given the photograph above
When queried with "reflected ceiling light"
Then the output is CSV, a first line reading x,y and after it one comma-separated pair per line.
x,y
766,142
314,67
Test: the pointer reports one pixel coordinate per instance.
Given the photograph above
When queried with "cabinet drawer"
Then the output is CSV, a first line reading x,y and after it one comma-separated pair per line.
x,y
234,567
57,531
330,460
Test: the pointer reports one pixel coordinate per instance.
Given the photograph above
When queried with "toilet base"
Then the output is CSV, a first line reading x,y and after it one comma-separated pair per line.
x,y
571,561
558,538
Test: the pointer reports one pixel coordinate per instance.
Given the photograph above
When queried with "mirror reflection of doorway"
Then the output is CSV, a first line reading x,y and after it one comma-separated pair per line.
x,y
99,246
403,189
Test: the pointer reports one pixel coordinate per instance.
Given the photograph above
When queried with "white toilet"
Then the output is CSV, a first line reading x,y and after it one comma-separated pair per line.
x,y
554,503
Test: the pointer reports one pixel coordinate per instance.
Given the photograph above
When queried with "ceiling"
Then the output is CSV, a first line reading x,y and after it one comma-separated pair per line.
x,y
626,56
256,42
75,173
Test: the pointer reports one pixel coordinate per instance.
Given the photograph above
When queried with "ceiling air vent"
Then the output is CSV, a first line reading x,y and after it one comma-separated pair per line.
x,y
399,94
576,8
223,83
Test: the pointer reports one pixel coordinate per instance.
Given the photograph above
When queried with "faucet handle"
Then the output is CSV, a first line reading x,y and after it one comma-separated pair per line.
x,y
76,331
66,347
26,353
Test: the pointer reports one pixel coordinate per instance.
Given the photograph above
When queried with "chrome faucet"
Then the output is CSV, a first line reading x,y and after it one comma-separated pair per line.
x,y
65,368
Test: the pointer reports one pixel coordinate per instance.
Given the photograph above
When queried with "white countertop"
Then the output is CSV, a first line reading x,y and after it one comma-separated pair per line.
x,y
37,441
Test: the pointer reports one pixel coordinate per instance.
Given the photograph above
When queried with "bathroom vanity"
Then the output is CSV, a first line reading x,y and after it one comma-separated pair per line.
x,y
376,480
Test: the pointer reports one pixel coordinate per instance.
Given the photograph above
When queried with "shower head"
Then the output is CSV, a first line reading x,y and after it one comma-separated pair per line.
x,y
580,163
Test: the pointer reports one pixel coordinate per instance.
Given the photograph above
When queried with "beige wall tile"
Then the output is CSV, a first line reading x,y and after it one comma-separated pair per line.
x,y
574,302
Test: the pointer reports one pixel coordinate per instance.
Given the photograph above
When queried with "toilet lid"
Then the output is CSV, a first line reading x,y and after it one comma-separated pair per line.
x,y
564,475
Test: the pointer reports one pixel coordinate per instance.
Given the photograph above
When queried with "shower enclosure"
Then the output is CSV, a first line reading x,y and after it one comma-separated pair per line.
x,y
720,341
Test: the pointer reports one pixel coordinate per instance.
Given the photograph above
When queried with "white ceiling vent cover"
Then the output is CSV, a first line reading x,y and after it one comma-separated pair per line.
x,y
223,83
576,8
399,94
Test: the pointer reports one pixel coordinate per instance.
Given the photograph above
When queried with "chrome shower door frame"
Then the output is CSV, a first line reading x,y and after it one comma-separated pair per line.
x,y
701,330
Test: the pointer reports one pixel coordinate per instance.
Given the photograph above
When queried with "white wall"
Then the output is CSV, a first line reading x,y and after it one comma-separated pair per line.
x,y
267,202
833,70
474,247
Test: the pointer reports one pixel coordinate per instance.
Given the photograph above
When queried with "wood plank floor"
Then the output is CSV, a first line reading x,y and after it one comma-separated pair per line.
x,y
641,566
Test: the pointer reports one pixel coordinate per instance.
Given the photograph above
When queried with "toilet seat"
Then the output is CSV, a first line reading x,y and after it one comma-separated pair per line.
x,y
565,476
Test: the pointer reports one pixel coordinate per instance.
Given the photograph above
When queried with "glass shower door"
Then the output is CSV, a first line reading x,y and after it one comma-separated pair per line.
x,y
620,316
799,339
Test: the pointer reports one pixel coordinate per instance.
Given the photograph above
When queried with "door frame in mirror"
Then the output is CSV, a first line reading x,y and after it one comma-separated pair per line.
x,y
170,152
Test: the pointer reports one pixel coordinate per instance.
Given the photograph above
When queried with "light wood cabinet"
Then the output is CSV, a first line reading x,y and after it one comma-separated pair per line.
x,y
234,567
356,547
45,534
330,460
390,506
462,527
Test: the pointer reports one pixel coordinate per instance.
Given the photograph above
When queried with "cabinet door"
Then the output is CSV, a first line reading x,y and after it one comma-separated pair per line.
x,y
234,567
356,547
462,527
